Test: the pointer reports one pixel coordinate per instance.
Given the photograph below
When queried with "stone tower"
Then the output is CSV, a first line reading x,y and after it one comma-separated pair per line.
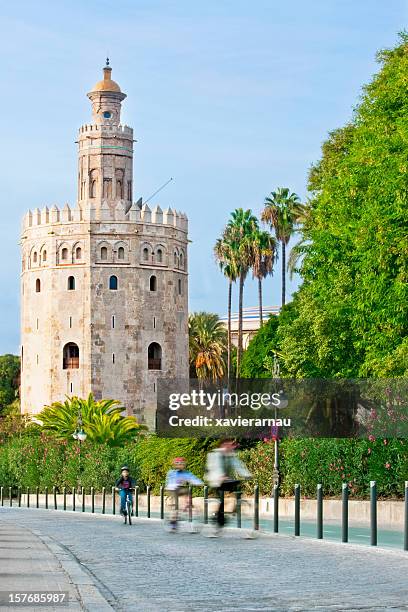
x,y
104,284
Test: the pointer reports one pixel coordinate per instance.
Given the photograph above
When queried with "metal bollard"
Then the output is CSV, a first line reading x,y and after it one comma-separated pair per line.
x,y
19,496
190,504
73,498
297,509
54,492
10,497
373,512
205,505
238,505
37,497
162,502
148,500
46,498
256,508
2,496
64,493
83,498
113,500
276,508
344,512
28,497
406,517
319,495
103,500
136,500
92,500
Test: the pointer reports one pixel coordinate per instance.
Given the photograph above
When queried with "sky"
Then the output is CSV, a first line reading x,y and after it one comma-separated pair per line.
x,y
231,98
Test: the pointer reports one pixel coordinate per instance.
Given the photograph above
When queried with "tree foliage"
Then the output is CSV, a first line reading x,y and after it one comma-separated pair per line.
x,y
9,379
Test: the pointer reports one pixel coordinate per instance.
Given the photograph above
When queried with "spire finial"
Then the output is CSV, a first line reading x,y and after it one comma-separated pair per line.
x,y
107,61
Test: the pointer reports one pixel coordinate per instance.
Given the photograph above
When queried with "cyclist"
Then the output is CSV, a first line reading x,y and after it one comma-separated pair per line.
x,y
124,484
224,473
177,482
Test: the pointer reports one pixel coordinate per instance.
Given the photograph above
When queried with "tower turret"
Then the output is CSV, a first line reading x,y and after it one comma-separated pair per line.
x,y
105,152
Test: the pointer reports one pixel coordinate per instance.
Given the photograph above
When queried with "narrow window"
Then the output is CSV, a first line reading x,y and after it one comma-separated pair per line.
x,y
78,253
175,259
71,387
145,254
113,321
71,283
37,323
37,359
121,253
154,322
181,260
44,255
159,255
70,322
38,285
129,190
113,357
154,387
180,286
64,254
113,283
154,356
35,257
153,283
104,253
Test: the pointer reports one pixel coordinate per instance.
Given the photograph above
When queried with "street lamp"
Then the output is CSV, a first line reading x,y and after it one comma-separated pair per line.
x,y
283,402
79,435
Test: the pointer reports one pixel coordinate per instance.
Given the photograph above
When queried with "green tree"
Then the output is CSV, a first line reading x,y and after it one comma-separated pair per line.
x,y
352,313
281,212
102,420
263,259
207,345
9,379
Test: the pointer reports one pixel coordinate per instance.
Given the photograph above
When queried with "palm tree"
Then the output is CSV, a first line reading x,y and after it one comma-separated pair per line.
x,y
207,345
240,232
225,256
264,252
282,209
102,420
301,247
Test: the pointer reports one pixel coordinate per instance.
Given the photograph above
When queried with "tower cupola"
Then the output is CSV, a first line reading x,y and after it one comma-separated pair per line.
x,y
106,97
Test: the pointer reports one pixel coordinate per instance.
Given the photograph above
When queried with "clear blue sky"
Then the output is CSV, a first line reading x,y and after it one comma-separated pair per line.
x,y
232,98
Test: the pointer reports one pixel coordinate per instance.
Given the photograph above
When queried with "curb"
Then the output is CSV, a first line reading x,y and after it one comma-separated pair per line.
x,y
90,595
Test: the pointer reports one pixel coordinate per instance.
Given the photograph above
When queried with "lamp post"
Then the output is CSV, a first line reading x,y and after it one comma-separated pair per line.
x,y
79,435
283,402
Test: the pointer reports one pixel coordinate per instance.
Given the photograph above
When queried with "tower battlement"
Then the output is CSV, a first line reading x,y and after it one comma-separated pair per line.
x,y
95,127
136,214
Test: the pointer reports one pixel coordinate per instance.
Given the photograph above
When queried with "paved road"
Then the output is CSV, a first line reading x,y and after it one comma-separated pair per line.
x,y
143,568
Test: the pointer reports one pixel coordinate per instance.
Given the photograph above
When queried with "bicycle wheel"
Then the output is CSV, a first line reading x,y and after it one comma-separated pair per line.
x,y
129,511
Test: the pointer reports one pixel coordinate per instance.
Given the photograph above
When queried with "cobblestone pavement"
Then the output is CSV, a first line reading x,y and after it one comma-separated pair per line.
x,y
146,569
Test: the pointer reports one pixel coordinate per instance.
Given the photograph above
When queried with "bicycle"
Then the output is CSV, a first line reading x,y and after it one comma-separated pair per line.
x,y
177,519
128,507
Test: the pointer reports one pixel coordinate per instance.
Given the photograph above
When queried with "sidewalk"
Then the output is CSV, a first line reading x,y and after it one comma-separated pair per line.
x,y
30,562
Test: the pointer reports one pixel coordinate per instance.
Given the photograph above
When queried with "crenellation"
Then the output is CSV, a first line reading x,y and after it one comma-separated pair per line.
x,y
146,214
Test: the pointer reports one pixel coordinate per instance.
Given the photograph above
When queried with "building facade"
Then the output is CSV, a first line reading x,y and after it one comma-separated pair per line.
x,y
104,284
250,322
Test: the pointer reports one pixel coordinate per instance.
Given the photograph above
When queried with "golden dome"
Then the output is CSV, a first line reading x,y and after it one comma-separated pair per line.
x,y
106,84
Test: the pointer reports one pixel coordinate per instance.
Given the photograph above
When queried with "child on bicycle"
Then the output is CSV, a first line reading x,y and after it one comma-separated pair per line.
x,y
177,481
124,484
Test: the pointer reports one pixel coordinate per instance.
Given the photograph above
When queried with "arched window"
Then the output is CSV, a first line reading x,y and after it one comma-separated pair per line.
x,y
153,283
78,253
180,286
64,253
70,359
92,183
121,253
119,189
71,283
175,259
145,254
35,257
181,260
159,255
113,283
37,285
104,253
154,356
44,255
